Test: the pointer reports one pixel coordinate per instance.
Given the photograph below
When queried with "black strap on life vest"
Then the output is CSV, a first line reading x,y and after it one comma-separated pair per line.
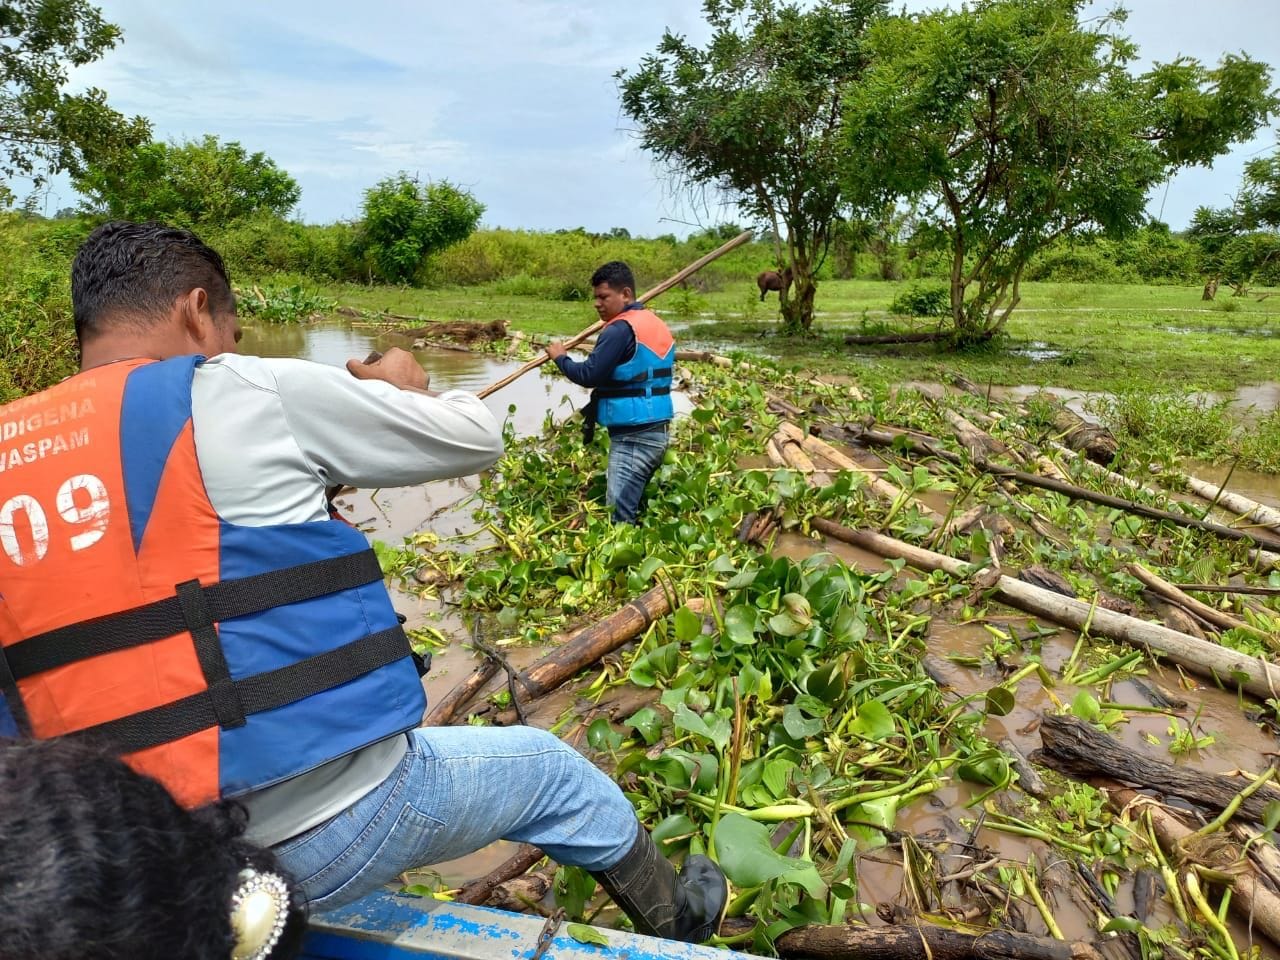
x,y
168,617
12,697
628,388
261,692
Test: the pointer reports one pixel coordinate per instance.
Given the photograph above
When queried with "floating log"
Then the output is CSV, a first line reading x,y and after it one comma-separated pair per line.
x,y
589,645
881,488
443,713
1077,749
977,441
1240,588
702,356
1234,502
923,941
1172,615
1251,900
885,438
1094,441
479,891
1218,618
1258,677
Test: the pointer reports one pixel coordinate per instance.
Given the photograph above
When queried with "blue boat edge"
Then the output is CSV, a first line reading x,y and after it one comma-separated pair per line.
x,y
390,926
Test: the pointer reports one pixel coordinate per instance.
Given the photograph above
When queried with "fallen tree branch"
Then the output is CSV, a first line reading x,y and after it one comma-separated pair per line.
x,y
1218,618
1076,749
479,891
1258,677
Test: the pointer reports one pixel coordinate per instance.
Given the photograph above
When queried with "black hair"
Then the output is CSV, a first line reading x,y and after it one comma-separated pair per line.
x,y
133,273
616,274
98,862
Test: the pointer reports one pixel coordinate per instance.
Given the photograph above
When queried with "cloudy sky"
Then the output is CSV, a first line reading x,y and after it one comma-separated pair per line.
x,y
514,99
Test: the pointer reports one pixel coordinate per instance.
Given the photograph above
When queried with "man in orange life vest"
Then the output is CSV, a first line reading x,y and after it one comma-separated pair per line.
x,y
171,586
629,371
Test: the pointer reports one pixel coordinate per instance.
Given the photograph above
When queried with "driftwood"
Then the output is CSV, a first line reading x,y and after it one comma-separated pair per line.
x,y
1172,615
1240,588
1251,900
1076,749
519,892
1258,677
443,713
1095,442
589,645
479,891
885,438
1028,779
465,331
979,443
881,488
1221,620
1234,502
923,941
702,356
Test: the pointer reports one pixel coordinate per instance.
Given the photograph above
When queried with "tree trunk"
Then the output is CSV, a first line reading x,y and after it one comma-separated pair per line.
x,y
479,891
1077,749
1210,289
797,311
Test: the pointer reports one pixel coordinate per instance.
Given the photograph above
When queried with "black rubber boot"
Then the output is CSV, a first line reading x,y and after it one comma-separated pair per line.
x,y
687,906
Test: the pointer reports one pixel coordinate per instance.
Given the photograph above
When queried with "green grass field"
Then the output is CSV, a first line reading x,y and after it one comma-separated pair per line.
x,y
1110,337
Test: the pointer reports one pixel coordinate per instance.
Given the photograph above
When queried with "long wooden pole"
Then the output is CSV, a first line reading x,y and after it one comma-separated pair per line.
x,y
661,288
1257,676
1255,537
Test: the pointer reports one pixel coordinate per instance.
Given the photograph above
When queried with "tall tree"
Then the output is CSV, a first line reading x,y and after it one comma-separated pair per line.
x,y
197,182
756,113
43,129
1239,242
1012,123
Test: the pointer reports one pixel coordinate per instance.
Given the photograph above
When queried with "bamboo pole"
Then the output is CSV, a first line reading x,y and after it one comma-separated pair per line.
x,y
1218,618
1270,541
1234,502
589,645
1258,677
661,288
446,709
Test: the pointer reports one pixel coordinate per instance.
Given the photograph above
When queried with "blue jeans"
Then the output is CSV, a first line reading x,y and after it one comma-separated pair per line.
x,y
633,458
456,790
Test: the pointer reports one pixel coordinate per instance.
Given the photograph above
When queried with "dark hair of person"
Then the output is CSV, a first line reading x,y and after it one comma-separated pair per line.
x,y
133,273
616,274
98,862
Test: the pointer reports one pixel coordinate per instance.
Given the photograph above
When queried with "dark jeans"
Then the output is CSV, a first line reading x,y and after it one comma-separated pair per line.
x,y
633,458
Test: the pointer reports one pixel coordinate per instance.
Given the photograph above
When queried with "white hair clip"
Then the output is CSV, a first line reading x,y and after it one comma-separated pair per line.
x,y
259,910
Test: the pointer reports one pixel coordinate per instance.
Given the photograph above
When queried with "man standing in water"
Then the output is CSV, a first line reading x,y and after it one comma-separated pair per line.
x,y
629,372
171,585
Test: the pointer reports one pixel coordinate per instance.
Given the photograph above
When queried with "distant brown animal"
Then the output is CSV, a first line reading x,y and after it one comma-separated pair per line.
x,y
773,280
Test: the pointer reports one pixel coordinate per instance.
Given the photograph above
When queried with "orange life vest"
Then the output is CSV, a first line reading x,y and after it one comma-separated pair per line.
x,y
217,658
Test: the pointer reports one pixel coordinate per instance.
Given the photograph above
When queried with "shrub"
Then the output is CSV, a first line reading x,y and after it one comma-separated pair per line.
x,y
1074,264
922,298
405,221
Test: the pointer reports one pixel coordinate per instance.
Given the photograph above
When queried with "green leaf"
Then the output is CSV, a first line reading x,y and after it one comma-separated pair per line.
x,y
1000,701
796,725
740,624
1271,816
418,890
602,736
688,625
676,825
584,934
775,775
648,723
1123,925
1086,707
873,721
986,766
785,625
749,860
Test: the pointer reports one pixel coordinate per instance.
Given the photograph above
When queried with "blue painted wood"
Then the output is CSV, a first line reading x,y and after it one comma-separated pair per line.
x,y
386,926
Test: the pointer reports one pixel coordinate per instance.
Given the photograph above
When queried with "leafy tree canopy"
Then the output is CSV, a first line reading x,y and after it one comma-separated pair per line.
x,y
197,182
756,113
1011,122
43,129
